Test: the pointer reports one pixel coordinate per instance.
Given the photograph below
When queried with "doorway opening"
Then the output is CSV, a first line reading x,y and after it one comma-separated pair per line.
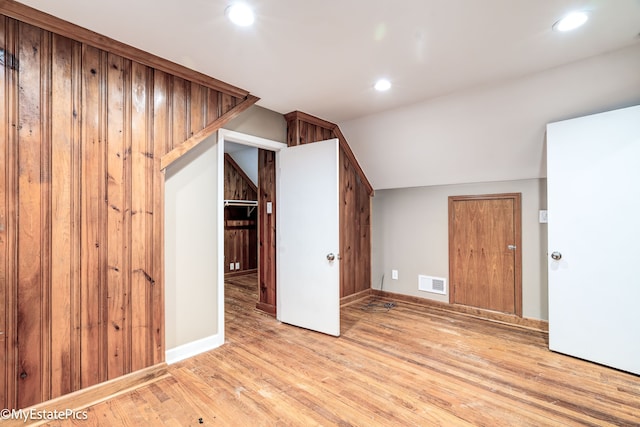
x,y
240,216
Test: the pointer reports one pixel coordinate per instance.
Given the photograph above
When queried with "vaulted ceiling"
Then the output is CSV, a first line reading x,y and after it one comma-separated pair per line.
x,y
323,57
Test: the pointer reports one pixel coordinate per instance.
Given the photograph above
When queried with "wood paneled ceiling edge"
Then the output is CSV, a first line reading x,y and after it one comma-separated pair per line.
x,y
56,25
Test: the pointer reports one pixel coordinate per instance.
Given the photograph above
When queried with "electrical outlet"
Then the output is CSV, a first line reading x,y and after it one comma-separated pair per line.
x,y
394,274
231,266
237,266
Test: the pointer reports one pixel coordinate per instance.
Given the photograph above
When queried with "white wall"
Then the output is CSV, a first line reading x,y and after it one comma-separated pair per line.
x,y
191,252
491,133
492,137
410,234
258,121
247,159
193,317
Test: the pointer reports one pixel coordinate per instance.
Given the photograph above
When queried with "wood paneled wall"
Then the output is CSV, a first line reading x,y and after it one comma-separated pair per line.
x,y
240,223
267,231
82,134
355,201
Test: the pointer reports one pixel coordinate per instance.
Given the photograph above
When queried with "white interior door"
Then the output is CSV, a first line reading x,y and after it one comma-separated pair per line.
x,y
308,285
593,166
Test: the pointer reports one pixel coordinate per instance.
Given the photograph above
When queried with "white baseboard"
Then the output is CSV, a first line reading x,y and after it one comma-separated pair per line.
x,y
185,351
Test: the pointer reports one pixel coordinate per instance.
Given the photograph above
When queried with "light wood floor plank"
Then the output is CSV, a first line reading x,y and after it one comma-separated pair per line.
x,y
411,365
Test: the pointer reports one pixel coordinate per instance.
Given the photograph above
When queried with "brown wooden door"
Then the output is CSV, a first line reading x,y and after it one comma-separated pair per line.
x,y
484,252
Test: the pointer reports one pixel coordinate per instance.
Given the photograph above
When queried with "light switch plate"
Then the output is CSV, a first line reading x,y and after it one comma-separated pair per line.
x,y
542,216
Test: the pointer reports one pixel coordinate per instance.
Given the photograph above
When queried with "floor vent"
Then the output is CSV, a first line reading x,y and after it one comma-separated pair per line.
x,y
436,285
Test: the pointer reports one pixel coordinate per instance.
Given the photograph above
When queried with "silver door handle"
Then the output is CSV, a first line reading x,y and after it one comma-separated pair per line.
x,y
556,256
511,247
331,257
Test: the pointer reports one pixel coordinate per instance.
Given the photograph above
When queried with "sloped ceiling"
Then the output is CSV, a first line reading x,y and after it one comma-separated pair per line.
x,y
322,57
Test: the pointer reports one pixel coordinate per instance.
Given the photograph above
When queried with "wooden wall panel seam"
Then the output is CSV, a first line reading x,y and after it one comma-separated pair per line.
x,y
4,267
126,214
150,244
10,106
45,206
76,233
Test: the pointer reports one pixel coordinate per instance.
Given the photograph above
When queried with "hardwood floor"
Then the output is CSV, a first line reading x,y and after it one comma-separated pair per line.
x,y
409,365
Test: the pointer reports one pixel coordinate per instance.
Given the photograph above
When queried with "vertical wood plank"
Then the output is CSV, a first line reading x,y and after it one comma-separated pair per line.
x,y
126,189
11,92
116,207
227,102
179,117
45,207
319,133
149,173
31,223
347,227
141,215
162,101
363,267
303,138
198,108
213,105
76,220
3,215
62,211
93,245
8,262
267,231
293,132
160,143
157,280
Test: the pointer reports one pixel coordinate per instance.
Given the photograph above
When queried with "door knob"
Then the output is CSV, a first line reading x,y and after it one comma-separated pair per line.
x,y
331,257
556,256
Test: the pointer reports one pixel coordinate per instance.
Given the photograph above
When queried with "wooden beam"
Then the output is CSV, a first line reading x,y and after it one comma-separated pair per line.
x,y
212,127
299,115
64,28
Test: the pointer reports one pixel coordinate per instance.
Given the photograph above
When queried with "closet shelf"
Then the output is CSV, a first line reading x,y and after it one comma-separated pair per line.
x,y
240,203
249,204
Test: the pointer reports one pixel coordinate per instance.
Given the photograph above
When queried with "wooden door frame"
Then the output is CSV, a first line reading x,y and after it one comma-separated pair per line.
x,y
250,141
517,225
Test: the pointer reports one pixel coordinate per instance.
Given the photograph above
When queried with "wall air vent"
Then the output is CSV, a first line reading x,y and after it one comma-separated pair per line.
x,y
436,285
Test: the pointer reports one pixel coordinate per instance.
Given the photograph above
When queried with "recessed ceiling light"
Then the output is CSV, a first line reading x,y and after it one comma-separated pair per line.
x,y
571,21
240,14
382,85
